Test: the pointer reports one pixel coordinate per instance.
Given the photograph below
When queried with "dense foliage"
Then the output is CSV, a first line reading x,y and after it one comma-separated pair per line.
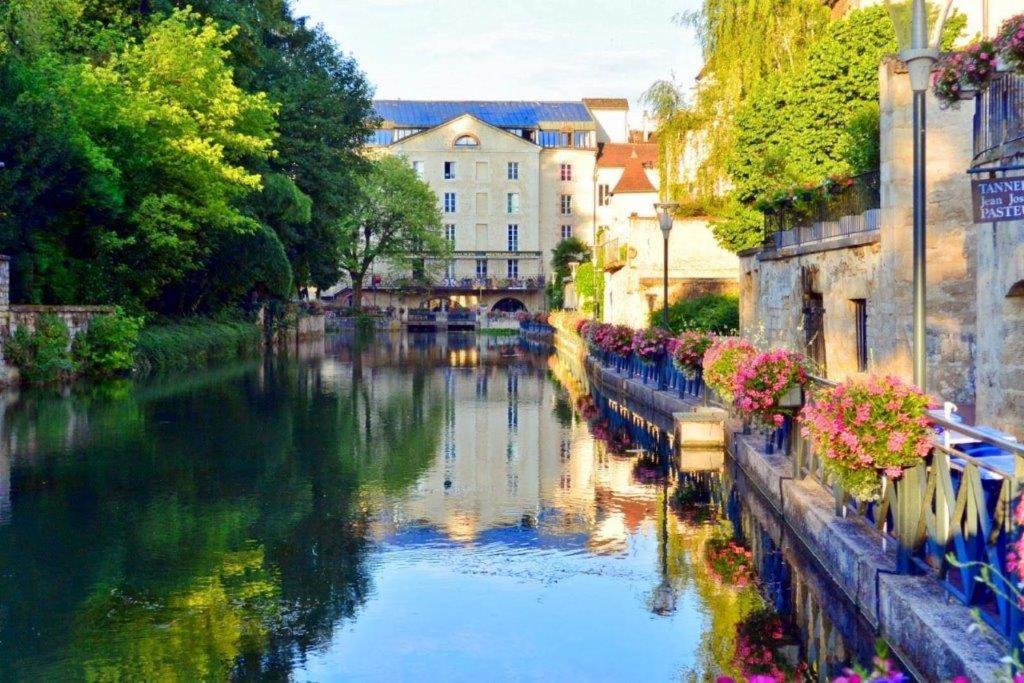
x,y
107,347
718,313
173,159
194,342
42,355
565,253
803,110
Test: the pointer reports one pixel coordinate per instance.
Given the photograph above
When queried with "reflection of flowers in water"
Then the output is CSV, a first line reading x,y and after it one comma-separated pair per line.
x,y
729,562
766,649
586,406
617,441
647,469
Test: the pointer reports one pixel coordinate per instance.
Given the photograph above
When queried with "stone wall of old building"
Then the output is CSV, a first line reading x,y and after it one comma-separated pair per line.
x,y
950,254
774,287
999,376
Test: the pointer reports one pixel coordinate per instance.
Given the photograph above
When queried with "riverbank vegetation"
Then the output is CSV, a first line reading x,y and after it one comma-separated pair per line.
x,y
195,342
172,158
718,313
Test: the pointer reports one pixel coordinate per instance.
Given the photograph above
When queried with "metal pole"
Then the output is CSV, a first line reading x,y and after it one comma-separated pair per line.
x,y
664,309
920,317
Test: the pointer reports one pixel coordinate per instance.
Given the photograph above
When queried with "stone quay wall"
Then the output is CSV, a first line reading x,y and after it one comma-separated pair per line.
x,y
932,633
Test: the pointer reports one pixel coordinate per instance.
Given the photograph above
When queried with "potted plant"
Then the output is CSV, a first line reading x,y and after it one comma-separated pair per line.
x,y
768,386
962,74
650,344
721,361
866,428
688,351
1009,43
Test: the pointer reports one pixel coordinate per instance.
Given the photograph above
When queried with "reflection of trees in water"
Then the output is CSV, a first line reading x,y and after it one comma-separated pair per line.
x,y
199,531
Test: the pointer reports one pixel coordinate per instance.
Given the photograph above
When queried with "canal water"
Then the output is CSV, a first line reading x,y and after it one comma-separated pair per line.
x,y
408,508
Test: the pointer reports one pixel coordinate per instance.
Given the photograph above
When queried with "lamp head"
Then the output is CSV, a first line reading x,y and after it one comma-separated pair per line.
x,y
919,25
665,216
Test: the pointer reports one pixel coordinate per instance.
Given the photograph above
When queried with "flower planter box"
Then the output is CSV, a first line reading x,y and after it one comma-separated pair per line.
x,y
794,398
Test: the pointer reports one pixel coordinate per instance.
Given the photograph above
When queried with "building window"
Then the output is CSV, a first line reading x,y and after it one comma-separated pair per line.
x,y
513,170
449,270
583,138
449,232
450,203
382,138
553,138
466,141
417,166
513,237
566,232
513,268
860,313
565,172
449,170
512,202
565,202
604,195
481,268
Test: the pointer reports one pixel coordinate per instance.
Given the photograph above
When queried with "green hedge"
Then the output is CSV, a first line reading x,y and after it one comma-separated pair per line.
x,y
194,342
718,313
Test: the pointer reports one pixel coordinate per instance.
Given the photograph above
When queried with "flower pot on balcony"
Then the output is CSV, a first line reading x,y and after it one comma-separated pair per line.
x,y
968,92
793,398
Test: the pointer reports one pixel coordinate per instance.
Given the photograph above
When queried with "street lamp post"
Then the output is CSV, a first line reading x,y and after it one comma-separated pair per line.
x,y
665,218
918,25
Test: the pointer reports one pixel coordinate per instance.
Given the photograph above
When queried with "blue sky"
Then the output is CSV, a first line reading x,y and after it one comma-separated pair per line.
x,y
511,49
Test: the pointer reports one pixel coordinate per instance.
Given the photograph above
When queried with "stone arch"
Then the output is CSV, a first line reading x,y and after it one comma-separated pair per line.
x,y
509,304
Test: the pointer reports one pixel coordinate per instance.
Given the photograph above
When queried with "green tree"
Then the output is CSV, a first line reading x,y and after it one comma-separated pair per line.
x,y
565,253
394,218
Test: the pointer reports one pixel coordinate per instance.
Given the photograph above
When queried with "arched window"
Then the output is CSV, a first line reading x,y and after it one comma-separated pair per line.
x,y
467,141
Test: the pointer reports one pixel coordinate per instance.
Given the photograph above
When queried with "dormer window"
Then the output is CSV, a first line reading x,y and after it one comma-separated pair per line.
x,y
466,141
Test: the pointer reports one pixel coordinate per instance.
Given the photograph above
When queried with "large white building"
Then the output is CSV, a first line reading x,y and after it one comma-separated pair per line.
x,y
512,180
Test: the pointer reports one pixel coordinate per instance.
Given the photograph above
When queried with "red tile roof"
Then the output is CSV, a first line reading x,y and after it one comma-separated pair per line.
x,y
617,154
633,159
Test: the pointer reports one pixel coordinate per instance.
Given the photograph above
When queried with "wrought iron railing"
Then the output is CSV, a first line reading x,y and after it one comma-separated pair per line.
x,y
456,283
999,118
847,209
952,516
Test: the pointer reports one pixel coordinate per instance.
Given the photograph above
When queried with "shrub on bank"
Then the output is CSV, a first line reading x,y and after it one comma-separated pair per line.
x,y
195,342
42,355
718,313
107,347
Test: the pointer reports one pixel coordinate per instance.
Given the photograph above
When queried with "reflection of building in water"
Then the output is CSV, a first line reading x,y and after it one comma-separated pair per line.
x,y
502,462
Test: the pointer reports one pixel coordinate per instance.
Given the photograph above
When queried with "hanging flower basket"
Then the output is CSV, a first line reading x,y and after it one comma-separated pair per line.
x,y
763,386
688,351
864,429
1010,44
961,75
721,361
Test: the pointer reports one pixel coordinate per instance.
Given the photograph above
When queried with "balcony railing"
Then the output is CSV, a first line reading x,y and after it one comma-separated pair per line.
x,y
384,283
999,119
847,210
615,253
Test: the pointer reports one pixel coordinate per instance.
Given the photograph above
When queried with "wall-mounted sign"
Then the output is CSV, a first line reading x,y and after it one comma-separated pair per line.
x,y
998,199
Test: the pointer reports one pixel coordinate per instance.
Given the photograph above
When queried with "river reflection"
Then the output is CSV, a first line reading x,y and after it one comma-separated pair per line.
x,y
408,509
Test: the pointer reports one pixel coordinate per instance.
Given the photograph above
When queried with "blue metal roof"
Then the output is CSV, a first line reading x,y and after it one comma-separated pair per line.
x,y
427,114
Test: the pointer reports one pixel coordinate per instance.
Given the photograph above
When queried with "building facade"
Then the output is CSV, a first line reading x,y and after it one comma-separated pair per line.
x,y
842,289
512,180
631,245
